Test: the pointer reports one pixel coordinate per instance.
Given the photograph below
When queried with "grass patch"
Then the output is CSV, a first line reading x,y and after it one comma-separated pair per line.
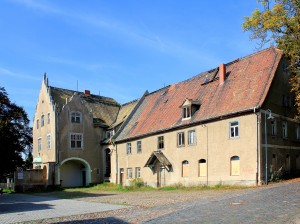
x,y
110,188
8,191
219,186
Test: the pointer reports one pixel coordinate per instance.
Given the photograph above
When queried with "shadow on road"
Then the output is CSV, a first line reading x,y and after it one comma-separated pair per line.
x,y
18,203
100,220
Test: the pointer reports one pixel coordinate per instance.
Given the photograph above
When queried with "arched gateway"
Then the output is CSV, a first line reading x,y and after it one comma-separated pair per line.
x,y
74,172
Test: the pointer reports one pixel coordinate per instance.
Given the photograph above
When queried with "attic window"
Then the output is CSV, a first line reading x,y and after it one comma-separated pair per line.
x,y
186,112
189,108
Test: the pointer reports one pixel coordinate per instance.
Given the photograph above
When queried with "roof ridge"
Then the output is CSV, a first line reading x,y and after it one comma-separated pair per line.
x,y
104,98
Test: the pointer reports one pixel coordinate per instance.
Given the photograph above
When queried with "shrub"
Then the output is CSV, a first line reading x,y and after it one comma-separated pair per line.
x,y
278,175
137,182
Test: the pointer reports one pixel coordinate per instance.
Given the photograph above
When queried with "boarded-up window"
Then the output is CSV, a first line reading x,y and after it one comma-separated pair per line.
x,y
185,168
202,168
235,166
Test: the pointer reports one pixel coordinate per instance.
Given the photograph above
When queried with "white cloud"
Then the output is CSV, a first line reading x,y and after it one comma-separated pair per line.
x,y
6,72
39,5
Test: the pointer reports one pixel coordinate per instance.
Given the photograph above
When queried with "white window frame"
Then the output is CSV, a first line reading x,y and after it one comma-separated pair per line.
x,y
284,129
49,141
186,112
80,135
139,147
129,173
273,127
39,144
138,172
234,131
42,120
180,139
76,117
128,148
192,139
48,118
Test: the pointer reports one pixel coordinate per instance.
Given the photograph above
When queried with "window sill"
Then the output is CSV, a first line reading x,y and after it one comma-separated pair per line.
x,y
185,119
234,138
180,146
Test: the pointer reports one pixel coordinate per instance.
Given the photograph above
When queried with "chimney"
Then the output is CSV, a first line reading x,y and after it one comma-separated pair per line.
x,y
87,93
222,73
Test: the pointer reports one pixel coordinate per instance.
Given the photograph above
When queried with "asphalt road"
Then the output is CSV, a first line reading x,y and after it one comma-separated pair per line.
x,y
278,203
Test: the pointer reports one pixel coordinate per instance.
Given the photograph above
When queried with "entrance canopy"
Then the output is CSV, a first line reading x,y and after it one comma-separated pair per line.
x,y
158,156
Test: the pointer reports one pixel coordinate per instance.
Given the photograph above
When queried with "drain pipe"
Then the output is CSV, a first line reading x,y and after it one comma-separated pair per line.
x,y
257,144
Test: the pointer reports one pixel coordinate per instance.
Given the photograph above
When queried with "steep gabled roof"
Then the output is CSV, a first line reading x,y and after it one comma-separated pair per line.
x,y
124,112
246,85
104,109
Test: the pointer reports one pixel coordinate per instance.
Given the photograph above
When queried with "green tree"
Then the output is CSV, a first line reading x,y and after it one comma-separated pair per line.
x,y
15,135
279,22
28,161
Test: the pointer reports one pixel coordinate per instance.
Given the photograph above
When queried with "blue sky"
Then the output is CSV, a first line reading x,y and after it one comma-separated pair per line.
x,y
116,48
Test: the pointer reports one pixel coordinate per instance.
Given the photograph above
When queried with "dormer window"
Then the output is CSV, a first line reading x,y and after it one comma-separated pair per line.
x,y
189,107
186,112
109,134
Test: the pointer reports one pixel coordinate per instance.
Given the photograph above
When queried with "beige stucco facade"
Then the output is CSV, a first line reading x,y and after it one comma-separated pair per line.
x,y
44,140
226,159
213,144
87,159
69,162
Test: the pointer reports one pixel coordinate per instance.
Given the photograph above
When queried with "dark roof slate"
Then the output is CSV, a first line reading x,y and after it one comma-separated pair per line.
x,y
104,109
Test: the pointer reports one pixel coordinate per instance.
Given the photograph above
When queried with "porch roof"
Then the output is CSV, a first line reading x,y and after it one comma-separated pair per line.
x,y
158,156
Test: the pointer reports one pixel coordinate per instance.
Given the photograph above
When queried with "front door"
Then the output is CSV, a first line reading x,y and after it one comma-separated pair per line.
x,y
121,176
158,172
83,178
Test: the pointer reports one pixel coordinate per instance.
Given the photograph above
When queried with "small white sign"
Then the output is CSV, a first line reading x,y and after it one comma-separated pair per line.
x,y
20,173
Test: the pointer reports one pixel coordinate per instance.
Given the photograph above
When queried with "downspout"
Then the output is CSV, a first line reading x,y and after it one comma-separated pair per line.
x,y
257,144
207,155
117,167
57,144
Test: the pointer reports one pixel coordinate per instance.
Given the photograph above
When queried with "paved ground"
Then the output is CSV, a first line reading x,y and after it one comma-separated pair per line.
x,y
279,203
20,207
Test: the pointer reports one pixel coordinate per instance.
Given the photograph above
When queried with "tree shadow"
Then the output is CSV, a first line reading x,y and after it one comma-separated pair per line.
x,y
16,203
73,194
99,220
22,207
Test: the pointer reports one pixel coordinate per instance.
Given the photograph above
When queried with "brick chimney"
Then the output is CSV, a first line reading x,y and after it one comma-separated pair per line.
x,y
87,92
222,73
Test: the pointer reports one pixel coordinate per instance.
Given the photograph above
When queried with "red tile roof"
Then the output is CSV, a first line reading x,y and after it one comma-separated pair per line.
x,y
246,85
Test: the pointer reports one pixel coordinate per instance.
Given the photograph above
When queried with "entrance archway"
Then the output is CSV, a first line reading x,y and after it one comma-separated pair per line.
x,y
74,172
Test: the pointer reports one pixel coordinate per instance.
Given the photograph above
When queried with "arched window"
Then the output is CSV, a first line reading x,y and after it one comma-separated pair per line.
x,y
235,166
185,168
202,168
